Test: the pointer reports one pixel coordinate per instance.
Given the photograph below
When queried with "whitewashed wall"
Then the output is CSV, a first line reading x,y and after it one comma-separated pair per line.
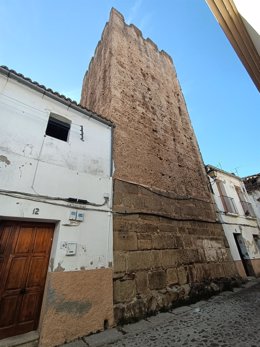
x,y
36,164
236,223
254,198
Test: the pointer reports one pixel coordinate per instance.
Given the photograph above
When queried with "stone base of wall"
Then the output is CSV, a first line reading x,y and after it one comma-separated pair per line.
x,y
256,266
240,268
76,304
167,250
171,297
159,263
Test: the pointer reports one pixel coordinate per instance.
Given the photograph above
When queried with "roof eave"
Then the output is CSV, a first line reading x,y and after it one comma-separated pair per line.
x,y
53,95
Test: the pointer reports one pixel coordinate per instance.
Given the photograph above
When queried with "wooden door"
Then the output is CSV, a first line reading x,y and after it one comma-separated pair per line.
x,y
24,257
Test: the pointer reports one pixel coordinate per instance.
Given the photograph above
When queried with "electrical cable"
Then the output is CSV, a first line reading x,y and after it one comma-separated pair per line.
x,y
164,194
33,197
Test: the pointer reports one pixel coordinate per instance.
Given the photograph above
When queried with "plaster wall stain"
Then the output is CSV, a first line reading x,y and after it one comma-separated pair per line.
x,y
73,307
252,245
27,151
95,167
59,268
51,265
77,304
62,305
5,160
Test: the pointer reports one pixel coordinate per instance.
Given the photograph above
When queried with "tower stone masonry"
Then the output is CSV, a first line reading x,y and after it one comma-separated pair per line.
x,y
168,246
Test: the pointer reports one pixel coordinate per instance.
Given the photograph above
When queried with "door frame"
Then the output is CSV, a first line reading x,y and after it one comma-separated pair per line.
x,y
246,262
35,222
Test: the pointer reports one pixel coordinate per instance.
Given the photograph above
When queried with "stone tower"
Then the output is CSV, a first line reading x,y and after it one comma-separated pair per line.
x,y
167,242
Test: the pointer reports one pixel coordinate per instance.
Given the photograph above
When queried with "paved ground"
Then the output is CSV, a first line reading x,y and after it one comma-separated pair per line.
x,y
227,320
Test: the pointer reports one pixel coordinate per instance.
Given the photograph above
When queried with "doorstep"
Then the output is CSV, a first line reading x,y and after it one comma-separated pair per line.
x,y
30,339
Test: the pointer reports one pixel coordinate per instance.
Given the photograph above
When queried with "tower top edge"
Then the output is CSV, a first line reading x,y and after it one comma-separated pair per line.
x,y
116,15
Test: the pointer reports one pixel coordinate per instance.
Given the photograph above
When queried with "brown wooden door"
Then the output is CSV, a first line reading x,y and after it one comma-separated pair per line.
x,y
24,256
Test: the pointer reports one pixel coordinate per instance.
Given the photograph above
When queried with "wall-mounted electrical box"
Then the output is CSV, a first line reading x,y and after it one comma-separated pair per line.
x,y
80,216
71,248
73,215
77,216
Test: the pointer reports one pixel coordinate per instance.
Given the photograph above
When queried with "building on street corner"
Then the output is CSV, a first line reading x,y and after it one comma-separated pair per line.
x,y
55,214
237,215
252,184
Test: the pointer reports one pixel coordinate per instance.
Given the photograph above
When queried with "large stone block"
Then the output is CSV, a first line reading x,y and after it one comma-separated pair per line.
x,y
118,199
226,254
156,259
144,241
139,261
196,272
211,254
153,204
119,262
125,241
124,290
120,223
182,275
170,258
201,255
172,276
164,241
125,187
168,228
191,256
141,281
188,241
157,279
217,270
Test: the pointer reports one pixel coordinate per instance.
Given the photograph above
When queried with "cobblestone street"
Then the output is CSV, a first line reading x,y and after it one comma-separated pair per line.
x,y
230,319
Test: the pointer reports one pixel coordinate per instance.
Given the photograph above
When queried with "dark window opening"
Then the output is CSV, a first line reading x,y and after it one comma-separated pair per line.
x,y
57,128
257,241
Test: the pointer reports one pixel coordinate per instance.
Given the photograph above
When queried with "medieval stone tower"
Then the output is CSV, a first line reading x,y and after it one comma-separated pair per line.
x,y
167,243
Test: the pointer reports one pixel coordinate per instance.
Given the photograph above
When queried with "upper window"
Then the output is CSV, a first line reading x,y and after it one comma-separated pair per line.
x,y
58,127
257,241
247,207
227,202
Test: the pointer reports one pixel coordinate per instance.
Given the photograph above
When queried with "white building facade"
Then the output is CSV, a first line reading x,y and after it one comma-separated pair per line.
x,y
56,247
237,215
252,184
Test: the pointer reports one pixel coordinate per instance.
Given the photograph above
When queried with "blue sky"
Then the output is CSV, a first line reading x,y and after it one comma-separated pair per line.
x,y
52,42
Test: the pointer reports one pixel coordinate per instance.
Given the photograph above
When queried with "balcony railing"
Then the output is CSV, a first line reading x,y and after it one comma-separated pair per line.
x,y
248,209
229,204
